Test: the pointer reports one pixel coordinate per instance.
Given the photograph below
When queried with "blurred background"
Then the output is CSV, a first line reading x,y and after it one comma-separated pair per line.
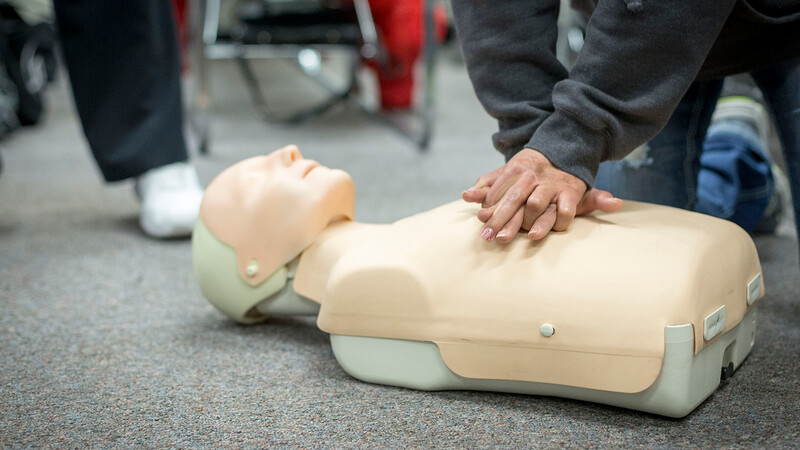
x,y
353,80
105,338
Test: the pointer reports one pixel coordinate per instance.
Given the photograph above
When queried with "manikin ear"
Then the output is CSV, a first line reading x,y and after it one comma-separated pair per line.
x,y
216,270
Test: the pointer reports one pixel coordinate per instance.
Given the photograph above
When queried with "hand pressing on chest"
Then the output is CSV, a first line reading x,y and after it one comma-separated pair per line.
x,y
530,193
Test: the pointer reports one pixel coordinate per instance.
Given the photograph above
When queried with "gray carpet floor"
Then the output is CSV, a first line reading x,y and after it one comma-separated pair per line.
x,y
106,341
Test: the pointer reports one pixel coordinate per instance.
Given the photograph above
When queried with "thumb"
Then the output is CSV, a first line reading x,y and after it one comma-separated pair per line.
x,y
596,199
477,193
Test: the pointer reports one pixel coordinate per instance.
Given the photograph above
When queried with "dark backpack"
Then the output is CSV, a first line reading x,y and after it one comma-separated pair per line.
x,y
27,60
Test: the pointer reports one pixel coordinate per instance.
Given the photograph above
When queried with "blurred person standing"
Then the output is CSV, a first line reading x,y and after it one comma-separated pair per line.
x,y
124,66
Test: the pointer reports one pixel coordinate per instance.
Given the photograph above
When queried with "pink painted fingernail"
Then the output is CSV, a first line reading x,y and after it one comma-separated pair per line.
x,y
486,234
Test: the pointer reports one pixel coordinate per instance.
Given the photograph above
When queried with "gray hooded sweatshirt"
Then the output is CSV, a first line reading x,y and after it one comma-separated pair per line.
x,y
638,60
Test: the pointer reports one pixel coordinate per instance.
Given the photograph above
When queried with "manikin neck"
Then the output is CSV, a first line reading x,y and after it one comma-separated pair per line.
x,y
309,272
317,261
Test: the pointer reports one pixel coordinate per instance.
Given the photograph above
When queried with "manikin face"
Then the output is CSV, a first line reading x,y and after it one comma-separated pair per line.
x,y
285,174
270,208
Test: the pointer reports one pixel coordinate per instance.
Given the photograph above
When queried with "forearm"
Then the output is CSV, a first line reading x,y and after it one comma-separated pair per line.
x,y
509,47
632,71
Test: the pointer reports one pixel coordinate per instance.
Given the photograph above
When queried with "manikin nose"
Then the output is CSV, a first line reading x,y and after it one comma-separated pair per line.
x,y
290,155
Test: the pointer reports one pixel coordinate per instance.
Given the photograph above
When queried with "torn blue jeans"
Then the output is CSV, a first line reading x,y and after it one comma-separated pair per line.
x,y
733,180
666,169
672,169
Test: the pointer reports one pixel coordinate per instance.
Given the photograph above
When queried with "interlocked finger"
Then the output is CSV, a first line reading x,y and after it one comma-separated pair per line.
x,y
536,205
486,213
567,206
511,228
544,223
500,188
477,192
508,206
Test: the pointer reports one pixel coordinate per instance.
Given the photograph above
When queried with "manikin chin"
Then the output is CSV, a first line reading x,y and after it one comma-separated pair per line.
x,y
640,308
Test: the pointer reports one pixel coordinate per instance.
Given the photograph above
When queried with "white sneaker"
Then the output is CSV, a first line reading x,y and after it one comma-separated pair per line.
x,y
170,197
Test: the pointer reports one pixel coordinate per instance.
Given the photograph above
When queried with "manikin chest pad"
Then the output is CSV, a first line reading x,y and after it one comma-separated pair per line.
x,y
605,291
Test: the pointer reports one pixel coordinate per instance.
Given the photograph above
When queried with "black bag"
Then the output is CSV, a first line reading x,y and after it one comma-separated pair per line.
x,y
28,54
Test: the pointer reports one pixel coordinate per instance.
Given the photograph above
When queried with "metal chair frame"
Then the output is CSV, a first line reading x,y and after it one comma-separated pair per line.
x,y
205,46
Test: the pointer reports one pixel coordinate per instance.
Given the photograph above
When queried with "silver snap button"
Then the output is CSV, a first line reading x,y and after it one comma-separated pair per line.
x,y
547,330
252,268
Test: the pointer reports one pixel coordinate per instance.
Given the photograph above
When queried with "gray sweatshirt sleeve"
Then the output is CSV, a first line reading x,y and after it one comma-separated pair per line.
x,y
510,50
638,60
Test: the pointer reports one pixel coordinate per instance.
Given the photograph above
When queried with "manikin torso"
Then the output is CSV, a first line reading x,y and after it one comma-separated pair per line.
x,y
608,287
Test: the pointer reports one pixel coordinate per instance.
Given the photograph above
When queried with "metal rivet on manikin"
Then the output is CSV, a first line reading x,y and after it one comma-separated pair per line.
x,y
252,268
547,330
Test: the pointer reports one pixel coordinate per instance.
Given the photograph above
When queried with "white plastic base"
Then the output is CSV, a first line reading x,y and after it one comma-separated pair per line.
x,y
288,303
685,380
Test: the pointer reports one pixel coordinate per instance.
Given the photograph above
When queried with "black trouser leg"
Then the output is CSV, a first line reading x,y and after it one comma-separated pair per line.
x,y
124,65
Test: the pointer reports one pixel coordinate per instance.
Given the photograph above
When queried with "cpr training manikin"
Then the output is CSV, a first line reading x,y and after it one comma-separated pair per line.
x,y
643,308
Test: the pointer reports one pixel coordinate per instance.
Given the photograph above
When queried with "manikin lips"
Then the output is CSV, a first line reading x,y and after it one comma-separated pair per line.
x,y
311,166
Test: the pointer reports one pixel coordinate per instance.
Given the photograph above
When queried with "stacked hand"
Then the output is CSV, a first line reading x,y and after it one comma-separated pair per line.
x,y
530,193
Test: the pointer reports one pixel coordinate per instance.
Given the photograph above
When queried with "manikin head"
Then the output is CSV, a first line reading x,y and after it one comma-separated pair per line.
x,y
267,210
